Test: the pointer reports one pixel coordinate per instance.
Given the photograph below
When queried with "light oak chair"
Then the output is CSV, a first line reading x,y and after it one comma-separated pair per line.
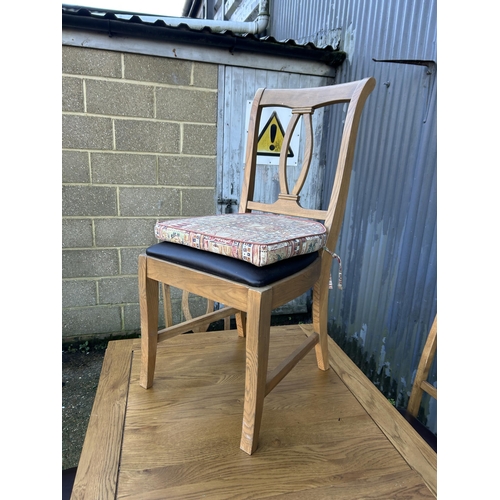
x,y
421,385
289,254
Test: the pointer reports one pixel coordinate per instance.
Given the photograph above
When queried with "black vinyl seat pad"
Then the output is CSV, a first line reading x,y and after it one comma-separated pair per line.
x,y
228,267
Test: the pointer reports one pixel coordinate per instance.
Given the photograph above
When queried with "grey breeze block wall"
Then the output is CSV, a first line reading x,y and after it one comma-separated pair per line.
x,y
138,145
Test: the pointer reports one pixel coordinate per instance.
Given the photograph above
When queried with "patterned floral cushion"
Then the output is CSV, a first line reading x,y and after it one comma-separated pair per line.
x,y
260,239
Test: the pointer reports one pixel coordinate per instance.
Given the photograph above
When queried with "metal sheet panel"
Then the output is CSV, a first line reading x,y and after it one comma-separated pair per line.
x,y
304,22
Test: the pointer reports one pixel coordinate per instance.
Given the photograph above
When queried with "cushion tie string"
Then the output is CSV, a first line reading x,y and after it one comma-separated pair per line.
x,y
335,256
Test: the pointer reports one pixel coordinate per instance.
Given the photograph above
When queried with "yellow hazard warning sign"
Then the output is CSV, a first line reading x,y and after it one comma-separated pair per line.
x,y
271,138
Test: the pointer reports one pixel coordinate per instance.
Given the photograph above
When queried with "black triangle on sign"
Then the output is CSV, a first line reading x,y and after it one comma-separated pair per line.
x,y
271,138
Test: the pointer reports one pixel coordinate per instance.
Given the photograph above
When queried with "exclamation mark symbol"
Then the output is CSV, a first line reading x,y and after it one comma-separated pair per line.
x,y
273,131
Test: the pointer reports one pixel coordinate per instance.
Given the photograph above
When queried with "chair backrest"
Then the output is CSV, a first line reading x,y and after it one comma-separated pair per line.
x,y
421,385
303,103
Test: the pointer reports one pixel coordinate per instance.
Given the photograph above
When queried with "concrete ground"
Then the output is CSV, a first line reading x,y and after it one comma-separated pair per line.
x,y
80,376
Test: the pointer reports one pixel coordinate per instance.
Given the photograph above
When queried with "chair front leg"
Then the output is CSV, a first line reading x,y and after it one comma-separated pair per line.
x,y
148,303
257,354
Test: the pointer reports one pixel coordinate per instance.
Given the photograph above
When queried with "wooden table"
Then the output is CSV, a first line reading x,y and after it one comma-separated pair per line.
x,y
324,434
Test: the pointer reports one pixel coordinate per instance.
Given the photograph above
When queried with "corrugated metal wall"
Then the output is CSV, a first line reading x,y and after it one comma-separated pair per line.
x,y
388,242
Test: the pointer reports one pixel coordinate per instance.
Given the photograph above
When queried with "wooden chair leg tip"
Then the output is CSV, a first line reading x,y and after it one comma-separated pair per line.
x,y
145,384
247,448
248,444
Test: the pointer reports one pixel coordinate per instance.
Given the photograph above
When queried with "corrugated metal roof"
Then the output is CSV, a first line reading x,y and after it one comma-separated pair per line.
x,y
151,26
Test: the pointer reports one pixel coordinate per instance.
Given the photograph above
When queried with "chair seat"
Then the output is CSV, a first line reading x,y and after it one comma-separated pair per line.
x,y
228,267
260,239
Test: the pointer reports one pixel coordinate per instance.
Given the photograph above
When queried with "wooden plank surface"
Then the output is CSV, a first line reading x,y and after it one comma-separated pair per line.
x,y
98,466
181,437
417,453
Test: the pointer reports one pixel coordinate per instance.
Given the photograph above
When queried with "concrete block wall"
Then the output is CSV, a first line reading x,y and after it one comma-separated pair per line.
x,y
138,145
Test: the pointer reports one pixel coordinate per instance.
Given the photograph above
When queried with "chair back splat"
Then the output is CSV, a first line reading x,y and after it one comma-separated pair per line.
x,y
260,258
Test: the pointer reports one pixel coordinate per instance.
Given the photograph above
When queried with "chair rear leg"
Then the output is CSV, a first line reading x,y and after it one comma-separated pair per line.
x,y
257,355
320,323
241,323
148,302
167,304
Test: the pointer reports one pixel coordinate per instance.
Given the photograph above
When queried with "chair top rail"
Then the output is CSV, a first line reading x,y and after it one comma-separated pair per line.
x,y
314,97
